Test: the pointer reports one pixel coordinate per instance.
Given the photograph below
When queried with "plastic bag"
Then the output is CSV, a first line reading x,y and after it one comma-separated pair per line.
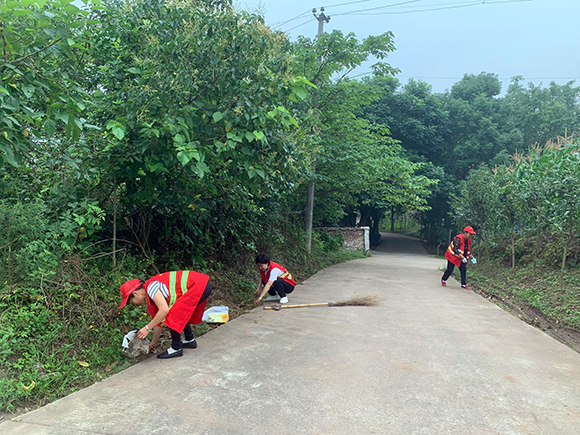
x,y
134,346
216,315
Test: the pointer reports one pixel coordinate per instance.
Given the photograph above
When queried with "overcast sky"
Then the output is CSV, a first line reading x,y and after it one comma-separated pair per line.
x,y
538,39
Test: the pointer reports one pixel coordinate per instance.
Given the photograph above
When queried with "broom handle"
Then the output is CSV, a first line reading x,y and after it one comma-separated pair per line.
x,y
299,306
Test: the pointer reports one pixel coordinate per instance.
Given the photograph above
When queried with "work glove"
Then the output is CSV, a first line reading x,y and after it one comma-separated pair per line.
x,y
473,260
464,260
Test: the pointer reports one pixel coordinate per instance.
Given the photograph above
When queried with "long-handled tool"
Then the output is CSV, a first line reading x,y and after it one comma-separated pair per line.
x,y
358,301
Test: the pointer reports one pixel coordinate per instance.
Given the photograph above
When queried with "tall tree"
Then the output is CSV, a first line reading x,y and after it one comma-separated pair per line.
x,y
353,160
193,97
326,62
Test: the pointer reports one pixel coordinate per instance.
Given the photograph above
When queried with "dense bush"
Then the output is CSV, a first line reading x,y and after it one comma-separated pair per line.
x,y
527,211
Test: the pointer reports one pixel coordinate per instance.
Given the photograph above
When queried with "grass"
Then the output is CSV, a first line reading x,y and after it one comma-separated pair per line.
x,y
559,304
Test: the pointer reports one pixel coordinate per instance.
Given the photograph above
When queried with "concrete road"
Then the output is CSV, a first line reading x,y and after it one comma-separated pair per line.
x,y
427,360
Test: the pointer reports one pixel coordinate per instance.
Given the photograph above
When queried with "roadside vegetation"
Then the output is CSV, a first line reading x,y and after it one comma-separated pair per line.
x,y
536,295
529,224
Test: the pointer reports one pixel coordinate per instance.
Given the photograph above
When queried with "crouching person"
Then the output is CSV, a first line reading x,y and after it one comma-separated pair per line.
x,y
176,299
277,281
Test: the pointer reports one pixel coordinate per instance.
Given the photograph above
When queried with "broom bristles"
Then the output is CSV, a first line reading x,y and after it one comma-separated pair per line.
x,y
357,301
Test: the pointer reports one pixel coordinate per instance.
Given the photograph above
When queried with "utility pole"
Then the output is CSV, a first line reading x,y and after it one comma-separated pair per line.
x,y
321,18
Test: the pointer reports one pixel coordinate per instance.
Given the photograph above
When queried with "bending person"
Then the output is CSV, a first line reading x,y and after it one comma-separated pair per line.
x,y
277,281
457,254
176,299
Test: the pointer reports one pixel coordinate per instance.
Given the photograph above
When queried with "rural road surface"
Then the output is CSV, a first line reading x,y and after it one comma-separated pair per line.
x,y
427,360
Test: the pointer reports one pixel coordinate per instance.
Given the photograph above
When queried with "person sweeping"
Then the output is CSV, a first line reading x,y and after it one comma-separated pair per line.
x,y
176,299
457,254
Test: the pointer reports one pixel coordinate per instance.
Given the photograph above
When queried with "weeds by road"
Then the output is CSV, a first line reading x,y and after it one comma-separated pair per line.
x,y
536,299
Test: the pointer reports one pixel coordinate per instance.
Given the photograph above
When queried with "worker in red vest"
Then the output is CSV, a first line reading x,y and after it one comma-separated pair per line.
x,y
277,281
176,299
457,254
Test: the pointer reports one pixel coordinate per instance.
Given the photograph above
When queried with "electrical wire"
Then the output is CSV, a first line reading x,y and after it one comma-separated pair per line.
x,y
430,9
458,6
299,25
505,1
344,4
429,5
280,24
291,19
378,7
360,12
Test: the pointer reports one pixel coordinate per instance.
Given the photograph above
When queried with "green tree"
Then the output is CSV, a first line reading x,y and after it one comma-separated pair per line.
x,y
193,99
414,115
354,159
43,46
543,113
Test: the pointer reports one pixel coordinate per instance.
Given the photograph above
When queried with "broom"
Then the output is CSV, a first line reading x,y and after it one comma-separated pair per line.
x,y
366,300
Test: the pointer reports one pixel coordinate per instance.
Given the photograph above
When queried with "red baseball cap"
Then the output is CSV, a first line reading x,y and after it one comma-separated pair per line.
x,y
468,230
127,289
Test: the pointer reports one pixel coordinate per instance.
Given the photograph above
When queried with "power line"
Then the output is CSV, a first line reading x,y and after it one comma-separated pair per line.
x,y
280,24
349,3
299,25
458,6
291,19
430,9
378,7
361,12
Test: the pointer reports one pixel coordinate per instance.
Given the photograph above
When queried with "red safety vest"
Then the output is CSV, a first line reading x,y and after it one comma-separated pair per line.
x,y
185,290
286,276
450,254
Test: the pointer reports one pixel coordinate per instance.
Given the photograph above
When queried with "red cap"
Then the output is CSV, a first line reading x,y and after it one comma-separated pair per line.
x,y
468,230
127,289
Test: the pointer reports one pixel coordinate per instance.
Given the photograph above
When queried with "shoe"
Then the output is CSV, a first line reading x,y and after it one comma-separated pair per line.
x,y
271,298
465,287
444,283
191,344
284,300
170,353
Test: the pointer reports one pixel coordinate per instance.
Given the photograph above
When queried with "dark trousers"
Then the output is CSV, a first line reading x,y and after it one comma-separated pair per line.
x,y
462,270
281,287
176,336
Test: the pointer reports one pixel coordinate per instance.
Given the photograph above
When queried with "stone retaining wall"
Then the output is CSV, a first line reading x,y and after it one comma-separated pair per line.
x,y
355,238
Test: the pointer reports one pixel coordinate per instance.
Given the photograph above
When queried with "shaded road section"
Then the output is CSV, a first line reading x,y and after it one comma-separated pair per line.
x,y
427,360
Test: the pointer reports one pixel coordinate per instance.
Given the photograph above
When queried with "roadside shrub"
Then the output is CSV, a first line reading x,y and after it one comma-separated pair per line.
x,y
30,251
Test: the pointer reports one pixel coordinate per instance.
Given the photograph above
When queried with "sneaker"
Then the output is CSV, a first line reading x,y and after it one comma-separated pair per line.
x,y
444,283
170,353
284,300
189,344
465,287
271,298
